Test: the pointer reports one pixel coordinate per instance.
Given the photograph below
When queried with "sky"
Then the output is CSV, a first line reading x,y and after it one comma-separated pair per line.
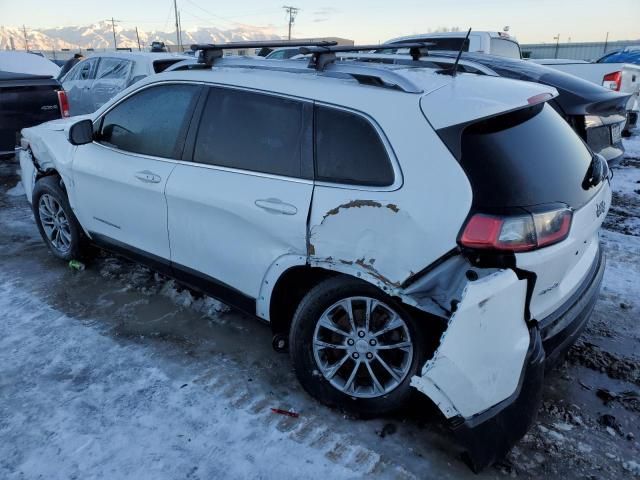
x,y
365,21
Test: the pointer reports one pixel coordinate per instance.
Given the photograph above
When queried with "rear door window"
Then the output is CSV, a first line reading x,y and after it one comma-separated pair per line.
x,y
255,132
349,150
113,68
151,122
87,69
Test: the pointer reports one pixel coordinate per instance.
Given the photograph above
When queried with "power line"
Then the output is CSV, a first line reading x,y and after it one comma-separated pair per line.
x,y
226,19
292,12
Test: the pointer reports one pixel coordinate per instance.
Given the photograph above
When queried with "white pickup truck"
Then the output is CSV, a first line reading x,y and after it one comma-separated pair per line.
x,y
493,43
621,77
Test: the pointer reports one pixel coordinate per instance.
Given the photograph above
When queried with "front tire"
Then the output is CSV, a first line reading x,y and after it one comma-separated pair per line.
x,y
56,221
355,348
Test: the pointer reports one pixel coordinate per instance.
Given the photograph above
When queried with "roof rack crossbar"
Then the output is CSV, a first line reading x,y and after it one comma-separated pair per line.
x,y
210,52
321,55
364,73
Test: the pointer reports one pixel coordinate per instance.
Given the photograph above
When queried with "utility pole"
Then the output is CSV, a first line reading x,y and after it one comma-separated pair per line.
x,y
138,37
606,41
26,40
180,30
557,39
292,12
175,9
113,28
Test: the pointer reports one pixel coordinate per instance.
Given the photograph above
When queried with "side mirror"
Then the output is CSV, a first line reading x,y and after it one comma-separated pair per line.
x,y
81,133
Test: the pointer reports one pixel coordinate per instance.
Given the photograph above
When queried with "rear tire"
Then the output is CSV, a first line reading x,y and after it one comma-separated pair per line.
x,y
366,374
56,221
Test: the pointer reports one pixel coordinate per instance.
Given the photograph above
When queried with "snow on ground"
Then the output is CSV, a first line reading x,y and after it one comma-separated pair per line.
x,y
623,215
632,146
85,405
16,191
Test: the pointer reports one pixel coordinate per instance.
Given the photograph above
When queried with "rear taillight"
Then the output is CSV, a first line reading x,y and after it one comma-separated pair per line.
x,y
518,233
612,80
63,102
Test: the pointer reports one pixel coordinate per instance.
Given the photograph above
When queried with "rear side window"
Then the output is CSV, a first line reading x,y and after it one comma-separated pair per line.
x,y
349,150
504,48
161,65
252,131
151,122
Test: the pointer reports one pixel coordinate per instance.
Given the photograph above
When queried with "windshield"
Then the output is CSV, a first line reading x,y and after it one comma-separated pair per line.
x,y
505,48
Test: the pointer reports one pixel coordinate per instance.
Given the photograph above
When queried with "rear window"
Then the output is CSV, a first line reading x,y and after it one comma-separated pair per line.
x,y
161,65
504,48
349,150
525,158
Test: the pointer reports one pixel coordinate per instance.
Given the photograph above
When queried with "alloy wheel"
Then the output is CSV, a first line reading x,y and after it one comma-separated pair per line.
x,y
55,223
362,347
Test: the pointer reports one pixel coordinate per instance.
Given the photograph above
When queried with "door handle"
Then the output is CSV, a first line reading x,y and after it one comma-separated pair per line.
x,y
275,205
148,177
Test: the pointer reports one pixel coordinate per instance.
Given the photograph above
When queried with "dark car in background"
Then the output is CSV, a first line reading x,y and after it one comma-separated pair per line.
x,y
29,95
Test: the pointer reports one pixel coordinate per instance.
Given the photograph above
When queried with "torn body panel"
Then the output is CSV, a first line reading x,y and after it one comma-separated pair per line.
x,y
45,148
486,375
481,355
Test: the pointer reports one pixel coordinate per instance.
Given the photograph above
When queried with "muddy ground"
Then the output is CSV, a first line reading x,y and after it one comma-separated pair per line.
x,y
117,372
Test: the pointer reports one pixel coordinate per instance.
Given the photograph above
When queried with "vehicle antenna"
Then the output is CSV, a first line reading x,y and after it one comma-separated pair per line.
x,y
454,68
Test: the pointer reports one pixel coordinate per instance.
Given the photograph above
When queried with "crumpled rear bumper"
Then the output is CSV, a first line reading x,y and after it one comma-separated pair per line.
x,y
488,436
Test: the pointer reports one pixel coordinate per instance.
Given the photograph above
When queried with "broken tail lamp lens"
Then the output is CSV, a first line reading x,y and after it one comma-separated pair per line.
x,y
63,103
519,233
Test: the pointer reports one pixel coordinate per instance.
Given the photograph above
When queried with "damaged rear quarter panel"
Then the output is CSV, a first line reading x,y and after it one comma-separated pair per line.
x,y
385,235
481,354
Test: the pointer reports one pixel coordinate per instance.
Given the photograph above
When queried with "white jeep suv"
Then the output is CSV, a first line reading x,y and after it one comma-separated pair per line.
x,y
402,228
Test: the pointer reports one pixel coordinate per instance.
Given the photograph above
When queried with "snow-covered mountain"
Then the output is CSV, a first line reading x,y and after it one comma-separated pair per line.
x,y
100,35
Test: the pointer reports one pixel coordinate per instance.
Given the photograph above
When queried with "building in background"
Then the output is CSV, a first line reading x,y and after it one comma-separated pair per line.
x,y
575,51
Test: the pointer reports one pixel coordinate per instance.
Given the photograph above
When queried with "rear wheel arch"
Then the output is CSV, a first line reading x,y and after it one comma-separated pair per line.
x,y
287,293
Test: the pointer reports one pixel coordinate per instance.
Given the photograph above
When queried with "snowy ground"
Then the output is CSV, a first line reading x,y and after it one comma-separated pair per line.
x,y
116,372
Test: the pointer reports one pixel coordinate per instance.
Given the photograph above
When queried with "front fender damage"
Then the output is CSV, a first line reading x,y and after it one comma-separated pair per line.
x,y
486,375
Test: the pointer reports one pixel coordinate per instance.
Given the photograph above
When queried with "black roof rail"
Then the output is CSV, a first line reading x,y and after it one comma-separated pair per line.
x,y
210,52
322,55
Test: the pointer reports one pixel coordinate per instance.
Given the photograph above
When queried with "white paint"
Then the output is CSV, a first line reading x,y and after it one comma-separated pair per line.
x,y
481,355
216,227
29,63
479,41
471,97
561,268
111,200
595,72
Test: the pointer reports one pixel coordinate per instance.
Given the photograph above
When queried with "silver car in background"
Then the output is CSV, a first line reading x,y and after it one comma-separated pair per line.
x,y
100,77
